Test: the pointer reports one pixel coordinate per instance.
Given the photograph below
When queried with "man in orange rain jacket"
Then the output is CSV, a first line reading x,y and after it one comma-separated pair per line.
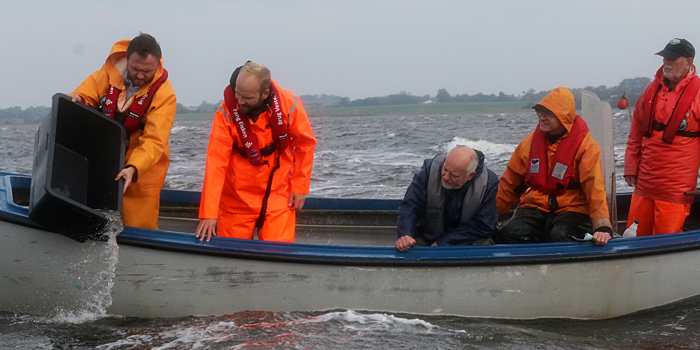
x,y
133,79
259,160
556,175
663,147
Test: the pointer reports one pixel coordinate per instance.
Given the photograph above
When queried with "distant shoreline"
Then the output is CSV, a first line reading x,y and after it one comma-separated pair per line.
x,y
388,110
412,109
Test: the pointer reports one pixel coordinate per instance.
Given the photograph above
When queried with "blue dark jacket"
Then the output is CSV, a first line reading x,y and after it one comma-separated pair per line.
x,y
412,209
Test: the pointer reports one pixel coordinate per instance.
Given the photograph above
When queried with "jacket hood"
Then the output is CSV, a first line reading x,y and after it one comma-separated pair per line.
x,y
560,101
479,167
117,56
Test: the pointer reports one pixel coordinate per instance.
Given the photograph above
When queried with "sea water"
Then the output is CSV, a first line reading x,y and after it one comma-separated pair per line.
x,y
376,156
356,157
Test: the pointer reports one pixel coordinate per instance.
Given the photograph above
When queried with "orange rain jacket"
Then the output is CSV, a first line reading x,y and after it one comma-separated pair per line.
x,y
149,149
233,185
590,199
664,171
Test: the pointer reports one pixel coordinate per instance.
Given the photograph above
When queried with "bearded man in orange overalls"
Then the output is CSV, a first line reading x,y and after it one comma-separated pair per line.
x,y
259,160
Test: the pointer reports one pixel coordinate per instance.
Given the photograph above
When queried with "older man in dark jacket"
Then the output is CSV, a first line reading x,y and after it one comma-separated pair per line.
x,y
451,201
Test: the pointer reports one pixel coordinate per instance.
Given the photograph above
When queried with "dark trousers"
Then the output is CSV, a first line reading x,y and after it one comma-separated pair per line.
x,y
422,242
527,226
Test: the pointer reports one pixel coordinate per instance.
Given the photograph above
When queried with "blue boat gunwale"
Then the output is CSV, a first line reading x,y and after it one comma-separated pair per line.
x,y
354,255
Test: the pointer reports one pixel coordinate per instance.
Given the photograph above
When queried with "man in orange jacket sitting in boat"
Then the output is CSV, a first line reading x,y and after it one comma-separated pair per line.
x,y
259,160
662,155
133,87
556,175
451,201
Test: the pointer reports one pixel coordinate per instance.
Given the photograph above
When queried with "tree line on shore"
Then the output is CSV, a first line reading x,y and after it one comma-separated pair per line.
x,y
633,86
28,115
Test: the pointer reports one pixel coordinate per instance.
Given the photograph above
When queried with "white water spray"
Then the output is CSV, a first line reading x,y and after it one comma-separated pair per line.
x,y
93,274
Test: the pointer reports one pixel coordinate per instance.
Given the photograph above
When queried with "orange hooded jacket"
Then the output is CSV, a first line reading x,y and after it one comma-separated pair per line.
x,y
664,171
590,199
149,149
233,185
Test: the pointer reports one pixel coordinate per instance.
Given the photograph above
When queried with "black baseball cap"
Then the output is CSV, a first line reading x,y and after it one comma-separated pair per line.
x,y
677,48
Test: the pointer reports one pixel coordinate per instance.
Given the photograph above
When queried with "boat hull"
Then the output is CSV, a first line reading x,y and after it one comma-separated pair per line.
x,y
40,276
159,283
169,273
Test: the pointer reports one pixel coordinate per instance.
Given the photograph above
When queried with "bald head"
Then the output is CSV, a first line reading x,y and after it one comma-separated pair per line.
x,y
460,167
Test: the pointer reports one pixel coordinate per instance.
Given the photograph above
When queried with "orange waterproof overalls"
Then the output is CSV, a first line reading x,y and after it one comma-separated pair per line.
x,y
233,189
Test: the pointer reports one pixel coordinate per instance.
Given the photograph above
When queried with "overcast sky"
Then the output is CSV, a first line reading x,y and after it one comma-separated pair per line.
x,y
348,48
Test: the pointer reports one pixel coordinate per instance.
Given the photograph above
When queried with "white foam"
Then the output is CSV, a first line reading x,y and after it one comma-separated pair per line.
x,y
488,148
183,127
231,331
381,319
35,342
202,335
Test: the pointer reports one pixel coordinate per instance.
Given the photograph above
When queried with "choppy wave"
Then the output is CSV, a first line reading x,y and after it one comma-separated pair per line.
x,y
488,148
271,330
376,157
356,157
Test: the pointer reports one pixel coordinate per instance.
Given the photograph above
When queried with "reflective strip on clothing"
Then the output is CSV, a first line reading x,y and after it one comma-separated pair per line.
x,y
222,110
294,107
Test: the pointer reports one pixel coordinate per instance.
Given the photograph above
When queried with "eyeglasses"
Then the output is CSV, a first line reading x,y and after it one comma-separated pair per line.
x,y
542,114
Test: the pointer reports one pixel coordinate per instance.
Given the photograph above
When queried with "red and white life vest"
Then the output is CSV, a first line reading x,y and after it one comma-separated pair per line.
x,y
137,111
555,180
680,111
277,121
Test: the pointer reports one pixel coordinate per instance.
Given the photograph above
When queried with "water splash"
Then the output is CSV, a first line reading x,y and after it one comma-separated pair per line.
x,y
93,275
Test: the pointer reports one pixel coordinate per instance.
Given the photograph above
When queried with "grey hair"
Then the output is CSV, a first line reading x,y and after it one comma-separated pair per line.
x,y
473,162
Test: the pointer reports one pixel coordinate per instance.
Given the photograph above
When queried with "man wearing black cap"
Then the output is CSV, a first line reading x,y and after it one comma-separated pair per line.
x,y
663,147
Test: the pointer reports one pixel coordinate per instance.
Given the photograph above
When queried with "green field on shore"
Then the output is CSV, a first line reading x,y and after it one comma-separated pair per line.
x,y
413,109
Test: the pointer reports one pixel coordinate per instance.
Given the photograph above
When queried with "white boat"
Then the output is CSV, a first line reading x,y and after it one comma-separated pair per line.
x,y
344,258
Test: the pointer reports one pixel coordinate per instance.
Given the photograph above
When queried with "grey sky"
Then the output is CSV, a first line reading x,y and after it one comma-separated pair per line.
x,y
347,48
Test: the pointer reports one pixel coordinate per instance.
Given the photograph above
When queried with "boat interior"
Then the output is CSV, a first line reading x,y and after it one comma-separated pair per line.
x,y
322,221
318,226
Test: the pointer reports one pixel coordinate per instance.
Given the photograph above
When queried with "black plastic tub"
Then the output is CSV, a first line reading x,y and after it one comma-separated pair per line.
x,y
77,154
